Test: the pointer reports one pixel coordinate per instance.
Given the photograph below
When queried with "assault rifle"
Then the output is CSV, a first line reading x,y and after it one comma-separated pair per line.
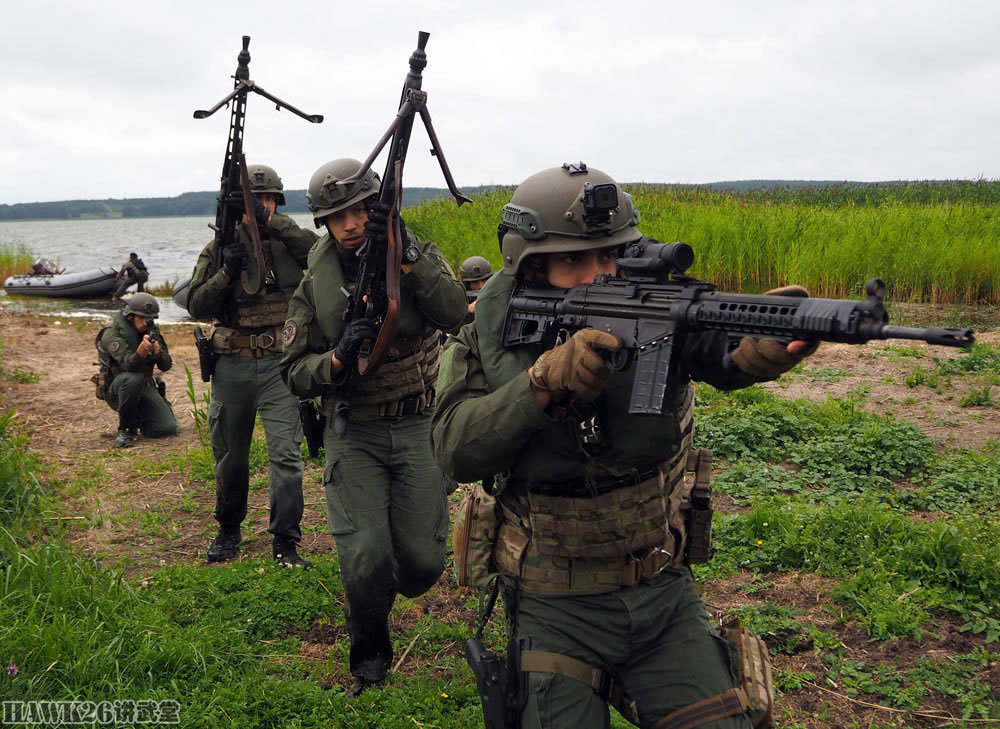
x,y
650,304
376,296
234,192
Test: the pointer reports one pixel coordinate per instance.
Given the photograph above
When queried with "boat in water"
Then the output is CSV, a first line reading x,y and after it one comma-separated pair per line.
x,y
93,283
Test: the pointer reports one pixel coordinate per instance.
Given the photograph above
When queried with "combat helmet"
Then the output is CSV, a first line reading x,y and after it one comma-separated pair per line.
x,y
563,209
142,304
326,197
475,268
265,179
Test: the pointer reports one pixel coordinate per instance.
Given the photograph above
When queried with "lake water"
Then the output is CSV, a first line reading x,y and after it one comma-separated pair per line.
x,y
168,246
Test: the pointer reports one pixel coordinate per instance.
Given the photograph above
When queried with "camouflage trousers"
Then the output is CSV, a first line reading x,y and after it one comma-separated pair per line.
x,y
241,388
387,510
654,637
140,406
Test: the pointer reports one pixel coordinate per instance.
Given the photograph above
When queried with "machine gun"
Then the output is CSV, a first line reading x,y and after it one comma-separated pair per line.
x,y
376,296
650,305
234,192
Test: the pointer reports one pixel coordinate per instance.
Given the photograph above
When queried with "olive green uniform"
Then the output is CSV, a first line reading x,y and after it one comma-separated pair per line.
x,y
132,392
601,579
247,338
385,496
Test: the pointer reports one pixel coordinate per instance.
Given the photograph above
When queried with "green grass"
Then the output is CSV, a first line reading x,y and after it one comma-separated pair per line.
x,y
14,258
755,242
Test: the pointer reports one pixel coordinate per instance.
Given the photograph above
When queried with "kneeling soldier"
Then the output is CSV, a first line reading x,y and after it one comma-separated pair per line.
x,y
591,540
129,349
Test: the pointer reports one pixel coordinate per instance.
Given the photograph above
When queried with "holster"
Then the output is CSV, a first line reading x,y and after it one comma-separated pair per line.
x,y
313,423
503,687
206,355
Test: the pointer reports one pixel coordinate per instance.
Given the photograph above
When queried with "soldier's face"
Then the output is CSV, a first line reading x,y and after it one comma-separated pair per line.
x,y
141,323
474,285
566,270
348,226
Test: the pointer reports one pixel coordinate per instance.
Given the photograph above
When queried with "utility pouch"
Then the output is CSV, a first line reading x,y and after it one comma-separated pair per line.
x,y
206,355
102,380
753,695
698,508
474,537
754,663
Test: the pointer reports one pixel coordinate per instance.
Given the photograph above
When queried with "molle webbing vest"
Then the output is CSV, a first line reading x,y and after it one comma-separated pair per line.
x,y
263,310
564,545
407,374
556,538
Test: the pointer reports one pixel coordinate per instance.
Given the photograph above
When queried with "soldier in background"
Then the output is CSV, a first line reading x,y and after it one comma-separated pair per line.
x,y
128,351
591,540
247,344
385,497
134,271
474,272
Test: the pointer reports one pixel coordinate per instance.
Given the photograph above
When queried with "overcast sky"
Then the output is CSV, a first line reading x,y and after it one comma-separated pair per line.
x,y
96,98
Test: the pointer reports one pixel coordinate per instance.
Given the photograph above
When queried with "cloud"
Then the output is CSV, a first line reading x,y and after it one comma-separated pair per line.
x,y
100,95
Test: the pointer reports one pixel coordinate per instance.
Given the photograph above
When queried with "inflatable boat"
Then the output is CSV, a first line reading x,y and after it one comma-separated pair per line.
x,y
94,283
181,290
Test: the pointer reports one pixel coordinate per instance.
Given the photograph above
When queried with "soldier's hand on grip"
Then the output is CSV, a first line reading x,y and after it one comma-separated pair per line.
x,y
234,257
377,226
766,359
576,366
356,332
261,212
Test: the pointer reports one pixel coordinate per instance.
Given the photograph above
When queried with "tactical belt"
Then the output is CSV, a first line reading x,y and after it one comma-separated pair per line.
x,y
265,343
580,488
406,406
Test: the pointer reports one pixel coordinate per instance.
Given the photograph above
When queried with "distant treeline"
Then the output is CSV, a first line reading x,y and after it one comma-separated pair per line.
x,y
188,203
808,192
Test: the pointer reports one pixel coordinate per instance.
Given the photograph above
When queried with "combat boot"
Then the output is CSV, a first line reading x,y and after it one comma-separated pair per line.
x,y
286,555
361,685
125,438
225,545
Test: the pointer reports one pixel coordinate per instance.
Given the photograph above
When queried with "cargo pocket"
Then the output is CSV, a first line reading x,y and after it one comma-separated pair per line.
x,y
339,511
216,428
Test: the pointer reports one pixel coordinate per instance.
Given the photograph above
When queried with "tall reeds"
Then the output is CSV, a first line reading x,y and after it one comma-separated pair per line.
x,y
931,242
14,258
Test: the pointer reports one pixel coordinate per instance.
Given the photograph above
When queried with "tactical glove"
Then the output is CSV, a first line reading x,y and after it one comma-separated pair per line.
x,y
377,227
766,359
260,212
576,366
349,345
234,258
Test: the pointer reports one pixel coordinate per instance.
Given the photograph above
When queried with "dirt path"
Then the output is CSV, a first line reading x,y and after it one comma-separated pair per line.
x,y
139,505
